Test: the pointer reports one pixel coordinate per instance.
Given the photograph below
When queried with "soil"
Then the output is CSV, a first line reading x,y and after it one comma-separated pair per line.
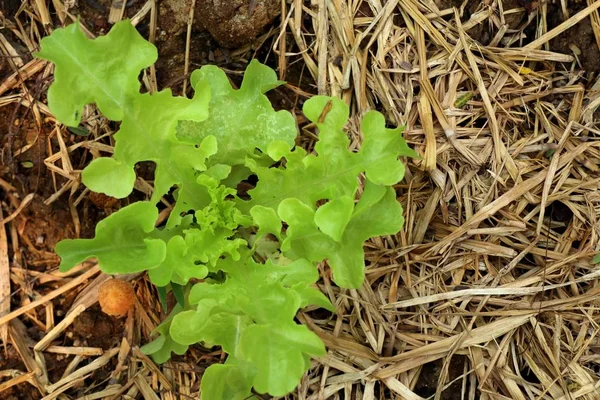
x,y
10,359
96,329
579,40
234,23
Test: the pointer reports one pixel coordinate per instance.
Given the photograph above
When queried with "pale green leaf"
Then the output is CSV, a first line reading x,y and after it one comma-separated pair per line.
x,y
332,172
152,118
242,120
227,382
187,326
278,352
272,303
377,213
267,221
332,218
303,237
179,265
161,348
107,175
103,71
226,329
311,296
122,243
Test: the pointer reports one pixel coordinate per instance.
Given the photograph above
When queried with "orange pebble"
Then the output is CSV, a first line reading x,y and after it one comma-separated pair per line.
x,y
116,297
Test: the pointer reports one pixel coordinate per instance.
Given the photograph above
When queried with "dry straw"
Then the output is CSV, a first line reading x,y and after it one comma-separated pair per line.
x,y
491,278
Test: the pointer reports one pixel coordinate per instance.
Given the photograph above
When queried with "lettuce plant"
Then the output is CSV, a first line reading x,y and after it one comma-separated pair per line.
x,y
241,265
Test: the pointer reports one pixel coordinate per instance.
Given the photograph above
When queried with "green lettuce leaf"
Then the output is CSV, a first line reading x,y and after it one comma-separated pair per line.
x,y
147,133
256,303
160,349
241,120
122,244
211,324
377,213
333,172
230,381
179,265
278,351
103,71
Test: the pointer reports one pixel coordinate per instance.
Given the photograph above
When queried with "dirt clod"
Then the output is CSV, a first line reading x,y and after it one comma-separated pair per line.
x,y
238,22
95,329
103,201
116,297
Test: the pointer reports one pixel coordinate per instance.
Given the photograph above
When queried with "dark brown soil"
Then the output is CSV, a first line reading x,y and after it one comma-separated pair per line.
x,y
95,329
234,23
428,380
578,39
11,360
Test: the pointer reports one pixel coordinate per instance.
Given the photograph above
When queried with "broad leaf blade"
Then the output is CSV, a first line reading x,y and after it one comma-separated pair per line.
x,y
278,352
332,173
227,382
377,213
161,348
179,265
242,120
103,71
147,133
122,243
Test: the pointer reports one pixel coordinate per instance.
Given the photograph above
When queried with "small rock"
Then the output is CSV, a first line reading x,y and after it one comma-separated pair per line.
x,y
234,23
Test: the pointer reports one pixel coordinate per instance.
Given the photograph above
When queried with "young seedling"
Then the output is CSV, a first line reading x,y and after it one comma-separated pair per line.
x,y
255,256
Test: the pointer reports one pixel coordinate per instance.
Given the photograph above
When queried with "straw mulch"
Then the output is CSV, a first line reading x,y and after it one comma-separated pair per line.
x,y
489,292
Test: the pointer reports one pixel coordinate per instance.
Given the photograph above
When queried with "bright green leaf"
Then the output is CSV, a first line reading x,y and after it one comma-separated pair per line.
x,y
272,303
278,352
107,175
225,329
186,327
122,243
242,120
382,218
312,296
227,382
267,221
303,239
103,71
178,266
377,213
381,148
147,133
333,172
332,218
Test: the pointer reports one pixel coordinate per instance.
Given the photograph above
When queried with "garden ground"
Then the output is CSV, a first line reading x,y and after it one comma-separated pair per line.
x,y
489,292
